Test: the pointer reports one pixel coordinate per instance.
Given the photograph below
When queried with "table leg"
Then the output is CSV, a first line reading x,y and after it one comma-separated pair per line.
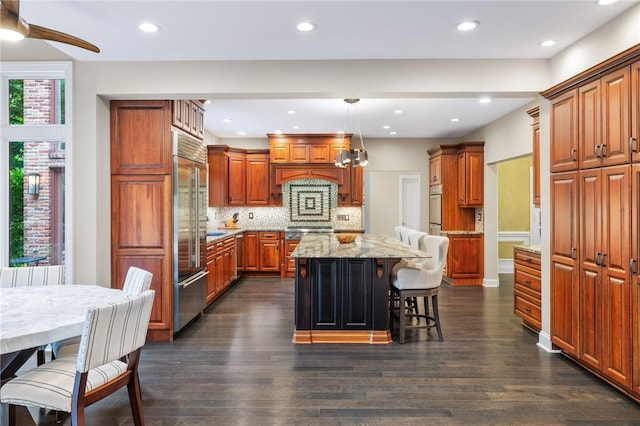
x,y
12,362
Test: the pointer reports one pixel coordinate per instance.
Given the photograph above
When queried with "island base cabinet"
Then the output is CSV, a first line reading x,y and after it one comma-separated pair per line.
x,y
342,301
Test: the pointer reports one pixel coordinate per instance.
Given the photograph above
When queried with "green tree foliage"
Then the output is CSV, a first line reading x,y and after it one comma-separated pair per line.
x,y
16,101
16,173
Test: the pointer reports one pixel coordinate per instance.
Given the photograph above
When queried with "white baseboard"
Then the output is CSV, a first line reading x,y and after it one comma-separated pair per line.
x,y
490,282
505,266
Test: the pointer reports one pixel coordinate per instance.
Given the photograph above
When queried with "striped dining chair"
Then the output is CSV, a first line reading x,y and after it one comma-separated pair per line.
x,y
136,281
112,332
31,276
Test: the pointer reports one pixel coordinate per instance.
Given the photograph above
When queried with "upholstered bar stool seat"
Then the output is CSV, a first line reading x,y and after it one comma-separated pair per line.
x,y
409,283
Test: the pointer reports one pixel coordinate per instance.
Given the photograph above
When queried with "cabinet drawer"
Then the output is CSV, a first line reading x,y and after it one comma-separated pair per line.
x,y
269,235
527,310
527,258
228,242
527,293
527,277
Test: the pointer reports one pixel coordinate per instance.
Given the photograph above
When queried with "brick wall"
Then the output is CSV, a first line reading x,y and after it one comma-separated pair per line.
x,y
44,158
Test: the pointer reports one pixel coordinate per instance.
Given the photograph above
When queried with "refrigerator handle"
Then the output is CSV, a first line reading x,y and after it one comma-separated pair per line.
x,y
196,225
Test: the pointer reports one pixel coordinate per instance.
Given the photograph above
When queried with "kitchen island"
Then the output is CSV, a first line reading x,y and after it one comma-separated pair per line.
x,y
342,290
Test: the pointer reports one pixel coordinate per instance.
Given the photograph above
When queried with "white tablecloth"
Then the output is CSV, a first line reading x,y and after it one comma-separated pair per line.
x,y
35,316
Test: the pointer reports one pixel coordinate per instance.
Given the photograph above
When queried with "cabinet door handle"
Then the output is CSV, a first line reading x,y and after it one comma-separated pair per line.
x,y
527,282
602,257
595,150
603,150
572,153
633,266
632,144
596,258
573,253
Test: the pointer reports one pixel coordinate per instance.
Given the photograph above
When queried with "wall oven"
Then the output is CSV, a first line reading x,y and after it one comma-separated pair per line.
x,y
435,205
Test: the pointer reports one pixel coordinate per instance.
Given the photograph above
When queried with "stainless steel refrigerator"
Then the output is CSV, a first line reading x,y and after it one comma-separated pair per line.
x,y
189,229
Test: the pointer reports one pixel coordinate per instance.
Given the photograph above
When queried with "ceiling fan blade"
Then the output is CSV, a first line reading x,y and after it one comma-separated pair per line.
x,y
36,31
12,6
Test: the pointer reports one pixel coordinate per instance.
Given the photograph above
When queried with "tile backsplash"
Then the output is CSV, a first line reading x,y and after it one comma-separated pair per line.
x,y
273,218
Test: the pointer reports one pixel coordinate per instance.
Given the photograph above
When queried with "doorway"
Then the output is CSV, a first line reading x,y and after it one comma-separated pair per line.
x,y
409,200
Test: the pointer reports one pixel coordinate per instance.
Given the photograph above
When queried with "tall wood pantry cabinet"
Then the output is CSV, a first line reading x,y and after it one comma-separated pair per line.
x,y
595,209
141,198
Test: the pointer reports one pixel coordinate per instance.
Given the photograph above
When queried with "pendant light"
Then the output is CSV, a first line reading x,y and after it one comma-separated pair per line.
x,y
357,156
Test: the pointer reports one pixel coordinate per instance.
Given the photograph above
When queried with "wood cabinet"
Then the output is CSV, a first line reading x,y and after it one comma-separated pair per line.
x,y
188,115
635,274
594,220
141,138
221,258
236,178
435,170
564,132
534,113
251,251
634,138
269,252
453,217
141,202
526,287
465,258
604,120
257,180
564,261
307,148
471,176
605,290
227,176
356,191
262,251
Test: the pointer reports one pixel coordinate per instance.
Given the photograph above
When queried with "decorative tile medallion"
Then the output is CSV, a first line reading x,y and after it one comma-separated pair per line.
x,y
310,200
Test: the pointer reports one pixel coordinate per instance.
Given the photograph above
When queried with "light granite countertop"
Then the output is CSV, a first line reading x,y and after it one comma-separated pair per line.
x,y
365,246
531,249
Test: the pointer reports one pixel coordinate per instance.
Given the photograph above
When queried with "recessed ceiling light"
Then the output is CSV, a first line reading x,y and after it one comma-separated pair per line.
x,y
393,133
306,26
295,126
278,132
467,26
149,27
208,101
455,120
386,126
291,112
485,100
398,111
606,2
547,43
227,120
339,132
241,132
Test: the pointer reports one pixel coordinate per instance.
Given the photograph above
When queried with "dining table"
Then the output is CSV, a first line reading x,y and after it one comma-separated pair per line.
x,y
31,317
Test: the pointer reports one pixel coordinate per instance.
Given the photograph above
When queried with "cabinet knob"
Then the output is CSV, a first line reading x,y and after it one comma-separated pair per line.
x,y
527,282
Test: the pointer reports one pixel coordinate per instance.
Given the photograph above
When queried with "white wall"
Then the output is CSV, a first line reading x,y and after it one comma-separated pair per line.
x,y
323,79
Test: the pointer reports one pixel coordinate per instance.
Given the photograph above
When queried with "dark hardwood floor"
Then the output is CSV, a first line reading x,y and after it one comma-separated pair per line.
x,y
237,366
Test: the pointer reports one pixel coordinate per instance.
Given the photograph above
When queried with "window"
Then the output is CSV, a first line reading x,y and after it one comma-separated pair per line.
x,y
34,138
